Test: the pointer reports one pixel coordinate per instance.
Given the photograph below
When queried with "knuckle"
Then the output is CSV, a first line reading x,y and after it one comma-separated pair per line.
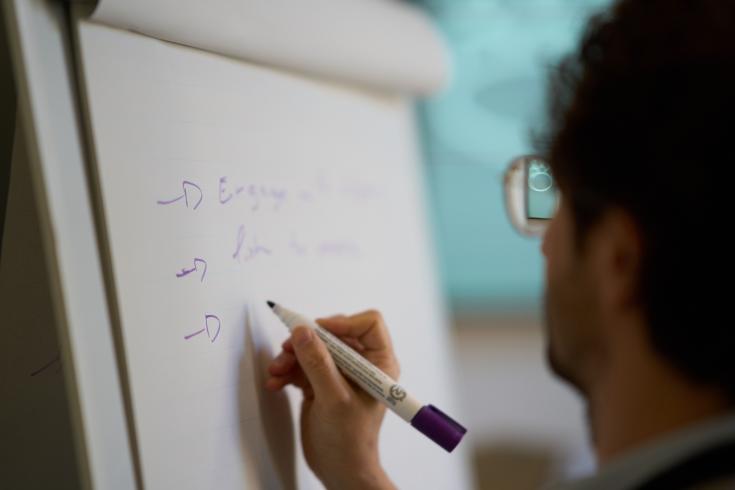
x,y
316,361
374,315
340,401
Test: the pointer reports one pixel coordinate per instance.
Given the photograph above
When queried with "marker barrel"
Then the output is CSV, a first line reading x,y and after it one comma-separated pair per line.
x,y
428,419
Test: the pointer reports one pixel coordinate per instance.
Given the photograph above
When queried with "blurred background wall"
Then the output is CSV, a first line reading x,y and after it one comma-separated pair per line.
x,y
526,427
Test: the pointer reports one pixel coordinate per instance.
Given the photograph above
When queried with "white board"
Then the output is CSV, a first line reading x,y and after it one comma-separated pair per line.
x,y
224,184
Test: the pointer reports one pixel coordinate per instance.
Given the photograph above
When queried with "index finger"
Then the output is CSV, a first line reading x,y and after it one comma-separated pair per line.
x,y
368,327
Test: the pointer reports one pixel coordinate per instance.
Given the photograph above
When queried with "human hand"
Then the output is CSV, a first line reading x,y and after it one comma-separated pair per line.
x,y
339,421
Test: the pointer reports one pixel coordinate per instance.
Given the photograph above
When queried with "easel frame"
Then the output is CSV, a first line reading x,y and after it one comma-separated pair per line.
x,y
48,115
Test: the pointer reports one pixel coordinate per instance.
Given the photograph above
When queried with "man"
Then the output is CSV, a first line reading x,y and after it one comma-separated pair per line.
x,y
636,320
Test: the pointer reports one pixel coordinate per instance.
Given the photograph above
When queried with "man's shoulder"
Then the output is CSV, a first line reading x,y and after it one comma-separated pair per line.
x,y
697,457
719,484
710,468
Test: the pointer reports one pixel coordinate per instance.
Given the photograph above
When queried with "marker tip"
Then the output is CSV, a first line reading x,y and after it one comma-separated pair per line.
x,y
271,304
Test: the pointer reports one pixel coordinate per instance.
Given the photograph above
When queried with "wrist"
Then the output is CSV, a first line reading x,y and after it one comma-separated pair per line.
x,y
376,480
365,477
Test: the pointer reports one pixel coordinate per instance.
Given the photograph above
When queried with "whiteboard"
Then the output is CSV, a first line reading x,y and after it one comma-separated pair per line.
x,y
222,184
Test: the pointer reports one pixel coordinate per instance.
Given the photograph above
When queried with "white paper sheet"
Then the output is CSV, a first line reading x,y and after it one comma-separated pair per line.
x,y
382,43
225,184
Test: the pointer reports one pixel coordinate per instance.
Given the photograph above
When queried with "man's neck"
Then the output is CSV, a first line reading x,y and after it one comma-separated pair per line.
x,y
641,398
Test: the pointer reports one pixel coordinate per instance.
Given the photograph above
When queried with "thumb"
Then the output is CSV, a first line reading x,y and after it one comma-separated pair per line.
x,y
318,365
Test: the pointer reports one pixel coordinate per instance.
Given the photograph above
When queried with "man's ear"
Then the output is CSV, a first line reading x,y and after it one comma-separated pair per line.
x,y
616,251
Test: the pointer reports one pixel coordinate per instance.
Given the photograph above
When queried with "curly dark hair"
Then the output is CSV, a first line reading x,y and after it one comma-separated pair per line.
x,y
639,119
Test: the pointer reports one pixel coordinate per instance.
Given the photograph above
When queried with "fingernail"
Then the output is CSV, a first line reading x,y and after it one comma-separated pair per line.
x,y
302,336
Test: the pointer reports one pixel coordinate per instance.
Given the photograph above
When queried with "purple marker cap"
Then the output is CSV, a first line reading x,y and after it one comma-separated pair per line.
x,y
438,427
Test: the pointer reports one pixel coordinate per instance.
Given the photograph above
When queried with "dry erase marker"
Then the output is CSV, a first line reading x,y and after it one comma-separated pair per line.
x,y
428,419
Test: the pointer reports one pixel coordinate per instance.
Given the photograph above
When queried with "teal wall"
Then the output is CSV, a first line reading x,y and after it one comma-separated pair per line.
x,y
501,51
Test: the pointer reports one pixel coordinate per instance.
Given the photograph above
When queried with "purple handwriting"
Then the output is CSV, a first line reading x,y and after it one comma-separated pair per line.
x,y
212,325
297,247
224,196
253,193
260,196
360,191
279,196
190,193
337,248
307,196
55,361
246,251
257,194
197,264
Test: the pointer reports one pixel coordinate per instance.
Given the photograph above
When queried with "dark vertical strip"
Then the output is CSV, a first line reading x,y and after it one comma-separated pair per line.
x,y
7,121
